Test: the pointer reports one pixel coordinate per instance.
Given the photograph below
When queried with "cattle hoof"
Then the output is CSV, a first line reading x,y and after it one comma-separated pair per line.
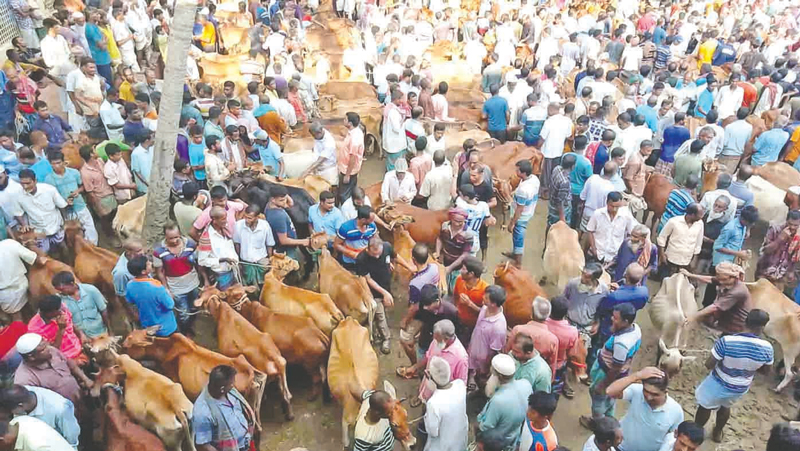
x,y
289,417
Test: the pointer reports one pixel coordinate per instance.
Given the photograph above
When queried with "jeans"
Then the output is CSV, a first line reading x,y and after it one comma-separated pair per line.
x,y
184,304
104,70
518,236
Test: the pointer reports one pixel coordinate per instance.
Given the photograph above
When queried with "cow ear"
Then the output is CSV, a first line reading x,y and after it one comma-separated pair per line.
x,y
389,388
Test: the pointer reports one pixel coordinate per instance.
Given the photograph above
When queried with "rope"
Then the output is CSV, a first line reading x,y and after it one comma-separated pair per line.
x,y
238,304
256,265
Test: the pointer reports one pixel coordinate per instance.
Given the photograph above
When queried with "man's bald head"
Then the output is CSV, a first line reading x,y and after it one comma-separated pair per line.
x,y
217,212
634,274
609,169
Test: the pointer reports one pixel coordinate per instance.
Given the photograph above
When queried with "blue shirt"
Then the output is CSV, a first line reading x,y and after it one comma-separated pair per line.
x,y
197,157
86,311
354,238
768,145
739,357
193,113
633,294
659,34
743,195
650,116
205,425
619,349
496,108
131,130
506,410
674,137
580,173
600,158
270,155
280,222
66,184
54,128
121,275
95,37
42,168
626,256
645,428
731,237
677,202
141,162
723,54
704,101
9,160
154,304
328,223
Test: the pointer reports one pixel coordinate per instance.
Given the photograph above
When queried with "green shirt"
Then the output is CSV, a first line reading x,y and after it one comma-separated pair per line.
x,y
86,311
100,150
536,371
686,165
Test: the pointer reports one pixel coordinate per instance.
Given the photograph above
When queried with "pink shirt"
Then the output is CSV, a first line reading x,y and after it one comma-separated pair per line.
x,y
544,341
488,339
70,343
231,208
456,357
420,166
567,335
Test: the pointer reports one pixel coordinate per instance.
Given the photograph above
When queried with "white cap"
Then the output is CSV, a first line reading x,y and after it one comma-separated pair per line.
x,y
204,12
77,15
28,342
260,134
401,165
439,370
504,365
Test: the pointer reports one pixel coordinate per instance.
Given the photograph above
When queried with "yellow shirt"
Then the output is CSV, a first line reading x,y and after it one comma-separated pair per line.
x,y
126,92
113,50
706,52
209,35
794,151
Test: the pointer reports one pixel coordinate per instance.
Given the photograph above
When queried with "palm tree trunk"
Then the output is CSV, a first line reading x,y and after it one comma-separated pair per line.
x,y
157,211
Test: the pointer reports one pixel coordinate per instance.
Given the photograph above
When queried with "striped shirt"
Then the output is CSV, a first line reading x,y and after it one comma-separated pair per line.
x,y
738,357
620,349
372,437
677,202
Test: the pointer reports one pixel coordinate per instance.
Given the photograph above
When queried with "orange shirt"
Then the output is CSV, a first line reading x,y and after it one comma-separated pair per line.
x,y
466,315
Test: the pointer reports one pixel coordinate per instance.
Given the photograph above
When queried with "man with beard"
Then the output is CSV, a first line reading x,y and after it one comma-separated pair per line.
x,y
446,421
636,248
583,295
530,364
715,219
446,345
779,251
507,406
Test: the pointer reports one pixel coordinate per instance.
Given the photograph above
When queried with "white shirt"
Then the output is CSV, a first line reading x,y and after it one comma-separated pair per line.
x,y
325,148
632,57
12,256
121,31
595,194
526,195
476,214
286,111
555,131
42,209
110,115
221,247
711,196
415,128
446,418
9,198
394,139
396,190
729,100
440,104
436,186
36,435
609,234
56,54
632,140
349,210
601,89
253,243
434,145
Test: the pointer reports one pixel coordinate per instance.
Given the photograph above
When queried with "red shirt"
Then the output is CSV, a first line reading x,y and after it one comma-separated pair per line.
x,y
466,315
70,343
544,341
750,94
567,336
9,336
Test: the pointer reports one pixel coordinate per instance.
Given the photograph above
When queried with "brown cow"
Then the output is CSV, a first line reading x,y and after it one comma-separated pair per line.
x,y
189,364
353,369
283,298
300,341
656,192
520,292
236,336
423,225
781,175
349,90
403,244
120,433
349,292
151,399
40,276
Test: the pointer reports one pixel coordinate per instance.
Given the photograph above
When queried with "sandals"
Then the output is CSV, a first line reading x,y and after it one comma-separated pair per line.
x,y
568,392
386,348
415,402
403,372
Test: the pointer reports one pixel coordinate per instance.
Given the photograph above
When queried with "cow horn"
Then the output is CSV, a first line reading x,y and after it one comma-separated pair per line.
x,y
662,346
505,267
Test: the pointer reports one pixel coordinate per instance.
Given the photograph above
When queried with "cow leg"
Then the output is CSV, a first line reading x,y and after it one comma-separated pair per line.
x,y
287,397
326,391
345,434
789,356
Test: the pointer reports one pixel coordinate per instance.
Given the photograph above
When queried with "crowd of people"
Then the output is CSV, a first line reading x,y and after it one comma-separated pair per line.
x,y
608,94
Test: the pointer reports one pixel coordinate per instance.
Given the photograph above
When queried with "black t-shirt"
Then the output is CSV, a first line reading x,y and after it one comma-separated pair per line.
x,y
428,319
377,268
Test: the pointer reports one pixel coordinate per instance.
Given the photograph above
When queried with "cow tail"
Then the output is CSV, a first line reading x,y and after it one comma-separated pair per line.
x,y
188,438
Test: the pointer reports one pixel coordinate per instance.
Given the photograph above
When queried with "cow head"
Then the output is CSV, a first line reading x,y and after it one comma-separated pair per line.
x,y
104,342
235,295
282,265
110,375
319,241
72,228
398,418
502,271
392,216
671,360
140,337
576,359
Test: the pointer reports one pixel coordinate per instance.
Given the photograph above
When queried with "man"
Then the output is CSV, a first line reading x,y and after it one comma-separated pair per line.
x,y
53,126
729,309
53,322
729,244
690,164
546,342
222,419
325,150
724,181
440,107
353,236
454,244
674,137
777,255
373,431
416,329
86,90
595,192
30,434
152,300
681,239
525,197
584,294
705,97
269,153
13,282
446,422
769,144
635,172
86,304
468,293
560,206
734,361
679,200
357,199
478,215
631,291
216,251
69,183
488,336
41,204
436,184
608,228
497,114
350,156
532,120
652,414
45,366
219,198
537,433
283,230
446,345
398,184
131,247
578,177
687,437
736,135
176,268
394,139
507,403
613,361
555,131
413,129
142,159
325,216
729,97
636,248
530,364
607,435
253,242
45,405
217,170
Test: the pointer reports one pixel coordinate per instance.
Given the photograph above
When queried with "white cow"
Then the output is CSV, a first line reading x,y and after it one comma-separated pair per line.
x,y
768,199
669,309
